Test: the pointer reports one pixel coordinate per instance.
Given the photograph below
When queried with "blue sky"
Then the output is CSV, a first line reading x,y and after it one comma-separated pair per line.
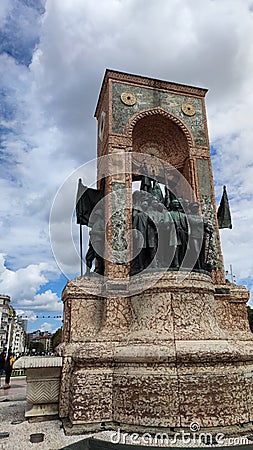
x,y
53,55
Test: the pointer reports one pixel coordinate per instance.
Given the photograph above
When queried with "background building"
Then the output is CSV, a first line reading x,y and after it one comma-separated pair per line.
x,y
40,341
12,328
5,320
19,340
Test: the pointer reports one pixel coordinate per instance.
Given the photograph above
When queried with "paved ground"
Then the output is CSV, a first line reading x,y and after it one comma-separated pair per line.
x,y
12,420
17,389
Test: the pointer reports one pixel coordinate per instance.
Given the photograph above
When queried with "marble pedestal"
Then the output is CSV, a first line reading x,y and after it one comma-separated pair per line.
x,y
43,385
177,353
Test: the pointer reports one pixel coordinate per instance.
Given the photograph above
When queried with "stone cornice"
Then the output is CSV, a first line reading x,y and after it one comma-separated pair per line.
x,y
147,82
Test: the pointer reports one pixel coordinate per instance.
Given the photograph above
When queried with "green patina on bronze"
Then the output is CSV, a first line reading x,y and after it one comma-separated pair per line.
x,y
152,98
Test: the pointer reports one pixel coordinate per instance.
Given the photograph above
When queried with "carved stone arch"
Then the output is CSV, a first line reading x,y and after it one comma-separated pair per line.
x,y
159,133
162,112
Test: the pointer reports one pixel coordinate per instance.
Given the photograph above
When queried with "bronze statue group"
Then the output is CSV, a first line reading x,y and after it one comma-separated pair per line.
x,y
167,233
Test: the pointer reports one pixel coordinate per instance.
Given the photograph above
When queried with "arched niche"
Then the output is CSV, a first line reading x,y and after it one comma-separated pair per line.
x,y
161,134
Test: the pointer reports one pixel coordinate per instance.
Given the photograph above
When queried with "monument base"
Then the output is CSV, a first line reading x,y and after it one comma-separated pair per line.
x,y
163,359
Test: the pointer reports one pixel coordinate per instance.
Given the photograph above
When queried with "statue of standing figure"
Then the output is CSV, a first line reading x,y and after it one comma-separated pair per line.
x,y
146,218
154,225
140,237
178,233
96,242
199,228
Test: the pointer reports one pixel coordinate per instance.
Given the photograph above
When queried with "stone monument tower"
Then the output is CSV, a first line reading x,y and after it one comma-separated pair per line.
x,y
167,344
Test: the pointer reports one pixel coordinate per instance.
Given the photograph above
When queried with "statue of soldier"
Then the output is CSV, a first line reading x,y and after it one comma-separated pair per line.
x,y
140,238
145,234
89,258
167,242
152,231
198,229
136,238
155,232
179,233
97,241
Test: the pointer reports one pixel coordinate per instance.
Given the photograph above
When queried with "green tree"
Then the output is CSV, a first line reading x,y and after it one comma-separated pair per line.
x,y
37,346
57,338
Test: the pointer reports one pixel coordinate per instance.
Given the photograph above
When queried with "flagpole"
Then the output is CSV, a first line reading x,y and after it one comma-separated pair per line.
x,y
81,247
231,273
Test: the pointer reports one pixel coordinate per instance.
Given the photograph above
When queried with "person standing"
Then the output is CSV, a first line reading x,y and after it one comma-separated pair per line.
x,y
8,369
2,364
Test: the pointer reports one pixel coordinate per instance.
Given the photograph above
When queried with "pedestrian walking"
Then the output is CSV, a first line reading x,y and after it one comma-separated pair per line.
x,y
8,369
2,364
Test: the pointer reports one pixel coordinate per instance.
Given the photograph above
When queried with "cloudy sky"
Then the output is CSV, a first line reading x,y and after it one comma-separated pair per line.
x,y
53,55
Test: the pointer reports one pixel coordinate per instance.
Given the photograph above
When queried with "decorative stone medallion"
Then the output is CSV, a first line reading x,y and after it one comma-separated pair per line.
x,y
128,98
188,109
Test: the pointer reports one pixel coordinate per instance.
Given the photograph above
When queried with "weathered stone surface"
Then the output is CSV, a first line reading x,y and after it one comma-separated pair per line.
x,y
194,316
83,308
163,358
145,353
232,312
152,314
213,399
116,316
86,317
147,98
91,394
41,411
67,369
248,375
149,399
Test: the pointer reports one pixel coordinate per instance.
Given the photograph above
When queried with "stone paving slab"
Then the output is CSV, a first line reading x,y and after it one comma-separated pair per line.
x,y
17,391
12,420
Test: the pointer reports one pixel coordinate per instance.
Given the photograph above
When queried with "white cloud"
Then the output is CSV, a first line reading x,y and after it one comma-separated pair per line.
x,y
23,285
4,9
250,303
46,326
48,128
46,301
26,314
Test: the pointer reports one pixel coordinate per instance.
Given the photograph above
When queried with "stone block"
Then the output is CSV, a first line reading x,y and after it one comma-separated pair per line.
x,y
213,399
43,384
91,395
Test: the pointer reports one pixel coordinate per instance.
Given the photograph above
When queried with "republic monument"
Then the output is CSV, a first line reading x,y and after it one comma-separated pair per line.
x,y
155,337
